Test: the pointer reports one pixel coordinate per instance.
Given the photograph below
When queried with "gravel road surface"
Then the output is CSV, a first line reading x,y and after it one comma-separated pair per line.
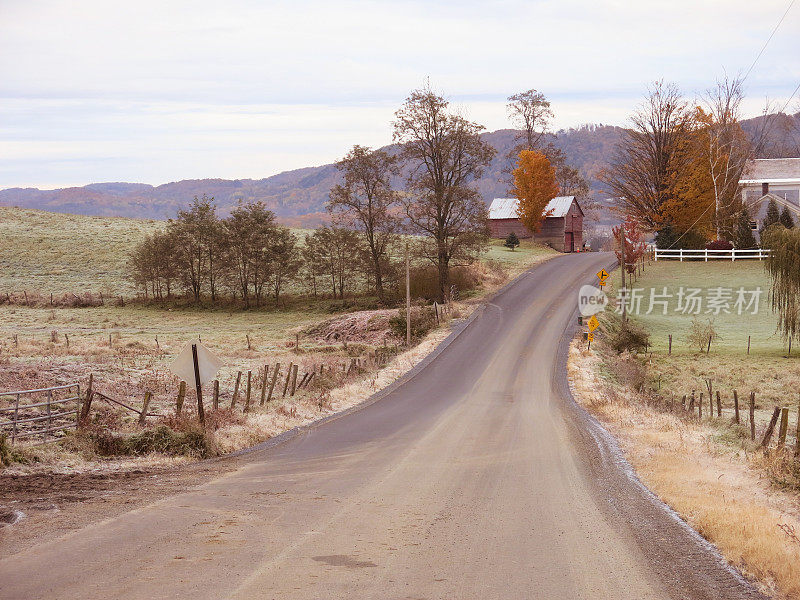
x,y
476,478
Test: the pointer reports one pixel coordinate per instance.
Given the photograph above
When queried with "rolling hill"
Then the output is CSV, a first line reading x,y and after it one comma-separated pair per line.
x,y
298,197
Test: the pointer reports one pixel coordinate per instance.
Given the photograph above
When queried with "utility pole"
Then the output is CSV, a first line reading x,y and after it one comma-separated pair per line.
x,y
408,300
622,271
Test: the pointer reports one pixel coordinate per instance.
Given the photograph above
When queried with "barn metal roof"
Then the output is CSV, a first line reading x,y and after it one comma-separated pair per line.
x,y
506,208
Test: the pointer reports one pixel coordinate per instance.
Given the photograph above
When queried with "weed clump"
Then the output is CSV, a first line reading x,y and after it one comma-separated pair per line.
x,y
423,320
8,454
194,442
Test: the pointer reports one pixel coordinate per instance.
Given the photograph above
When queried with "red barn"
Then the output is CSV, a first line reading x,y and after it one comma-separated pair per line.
x,y
562,229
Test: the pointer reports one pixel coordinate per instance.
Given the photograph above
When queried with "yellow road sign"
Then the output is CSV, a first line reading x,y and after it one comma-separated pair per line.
x,y
590,336
593,323
602,284
602,275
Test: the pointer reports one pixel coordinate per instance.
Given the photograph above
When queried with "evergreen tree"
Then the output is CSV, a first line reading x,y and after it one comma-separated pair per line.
x,y
743,237
786,218
773,215
512,241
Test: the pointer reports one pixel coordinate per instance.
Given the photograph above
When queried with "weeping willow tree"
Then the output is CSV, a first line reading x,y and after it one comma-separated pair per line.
x,y
783,265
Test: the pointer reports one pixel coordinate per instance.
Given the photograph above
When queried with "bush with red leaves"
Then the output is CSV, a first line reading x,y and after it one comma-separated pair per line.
x,y
719,245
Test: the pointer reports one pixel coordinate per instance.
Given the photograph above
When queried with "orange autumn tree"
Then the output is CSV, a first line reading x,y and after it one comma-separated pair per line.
x,y
534,186
689,205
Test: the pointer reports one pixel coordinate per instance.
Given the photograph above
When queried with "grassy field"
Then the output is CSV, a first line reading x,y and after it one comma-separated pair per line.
x,y
766,369
692,463
58,253
128,348
51,252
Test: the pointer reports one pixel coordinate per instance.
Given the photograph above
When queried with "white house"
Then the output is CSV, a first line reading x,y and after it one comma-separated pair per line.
x,y
771,178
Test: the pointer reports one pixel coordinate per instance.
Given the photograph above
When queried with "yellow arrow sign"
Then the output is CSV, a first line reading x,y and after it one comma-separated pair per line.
x,y
602,275
590,336
593,323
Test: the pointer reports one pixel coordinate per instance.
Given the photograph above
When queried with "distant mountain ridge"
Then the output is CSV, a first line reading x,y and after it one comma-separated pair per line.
x,y
298,197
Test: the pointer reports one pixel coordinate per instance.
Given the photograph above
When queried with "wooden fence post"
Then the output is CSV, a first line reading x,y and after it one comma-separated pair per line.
x,y
216,394
236,389
700,407
748,344
670,344
294,379
719,405
691,403
88,402
797,435
752,416
770,428
274,380
247,398
783,426
181,397
145,406
302,380
264,386
49,417
288,378
735,407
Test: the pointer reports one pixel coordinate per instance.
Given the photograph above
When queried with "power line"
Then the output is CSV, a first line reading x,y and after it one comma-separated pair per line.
x,y
790,98
764,47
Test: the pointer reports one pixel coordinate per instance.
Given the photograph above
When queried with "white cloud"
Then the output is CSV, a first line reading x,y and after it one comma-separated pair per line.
x,y
152,91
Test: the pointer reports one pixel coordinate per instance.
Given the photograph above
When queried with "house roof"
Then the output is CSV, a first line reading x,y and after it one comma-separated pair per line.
x,y
772,170
506,208
779,200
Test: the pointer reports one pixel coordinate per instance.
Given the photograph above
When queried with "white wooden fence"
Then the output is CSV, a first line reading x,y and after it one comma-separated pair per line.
x,y
682,254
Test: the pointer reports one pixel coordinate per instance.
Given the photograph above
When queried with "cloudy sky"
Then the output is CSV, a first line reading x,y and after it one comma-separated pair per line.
x,y
158,91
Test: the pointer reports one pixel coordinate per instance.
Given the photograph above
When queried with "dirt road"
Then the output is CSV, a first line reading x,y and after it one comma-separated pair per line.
x,y
476,478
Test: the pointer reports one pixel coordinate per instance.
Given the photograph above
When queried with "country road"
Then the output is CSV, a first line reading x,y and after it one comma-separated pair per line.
x,y
476,478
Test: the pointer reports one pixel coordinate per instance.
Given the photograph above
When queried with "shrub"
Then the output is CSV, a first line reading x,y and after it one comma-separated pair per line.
x,y
700,333
631,337
719,245
668,237
423,320
425,281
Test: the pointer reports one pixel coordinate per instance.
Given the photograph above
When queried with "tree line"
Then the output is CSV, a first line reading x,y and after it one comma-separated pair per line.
x,y
248,256
677,169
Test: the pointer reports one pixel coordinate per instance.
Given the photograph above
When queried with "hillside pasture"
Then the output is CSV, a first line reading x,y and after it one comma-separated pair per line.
x,y
768,369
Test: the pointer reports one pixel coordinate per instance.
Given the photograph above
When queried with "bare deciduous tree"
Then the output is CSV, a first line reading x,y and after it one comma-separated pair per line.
x,y
727,151
364,202
529,111
444,154
640,172
193,231
249,231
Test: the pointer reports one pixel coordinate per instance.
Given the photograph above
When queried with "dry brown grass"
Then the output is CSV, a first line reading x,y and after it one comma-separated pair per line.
x,y
709,484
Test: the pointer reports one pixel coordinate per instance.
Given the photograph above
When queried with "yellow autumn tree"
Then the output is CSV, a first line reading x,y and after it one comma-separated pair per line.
x,y
534,186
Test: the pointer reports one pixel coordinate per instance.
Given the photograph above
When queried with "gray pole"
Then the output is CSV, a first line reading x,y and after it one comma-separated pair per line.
x,y
200,412
408,299
622,269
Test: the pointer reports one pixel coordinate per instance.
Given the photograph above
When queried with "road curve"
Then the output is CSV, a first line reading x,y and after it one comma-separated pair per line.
x,y
478,478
